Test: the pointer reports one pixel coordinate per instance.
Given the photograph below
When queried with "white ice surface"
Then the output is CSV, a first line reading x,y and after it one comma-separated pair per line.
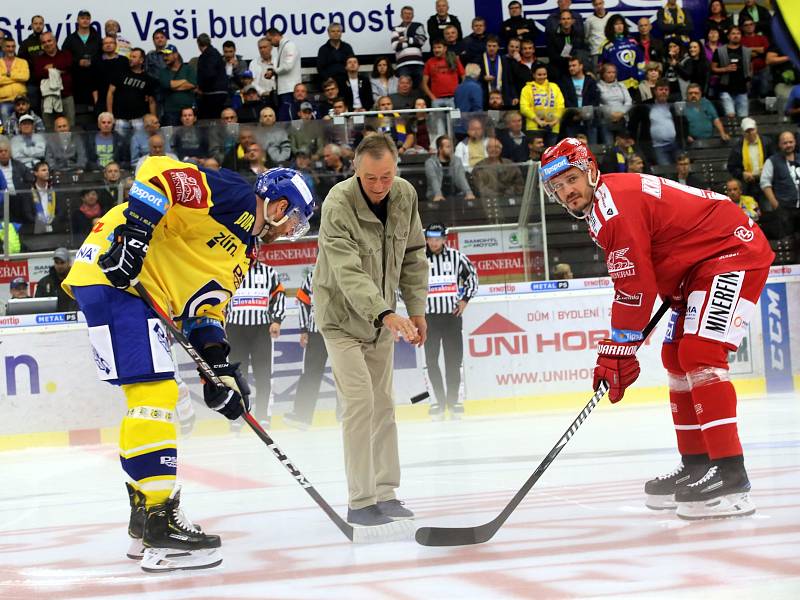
x,y
583,531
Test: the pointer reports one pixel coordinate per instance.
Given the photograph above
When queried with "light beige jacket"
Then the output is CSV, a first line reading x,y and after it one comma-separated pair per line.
x,y
361,265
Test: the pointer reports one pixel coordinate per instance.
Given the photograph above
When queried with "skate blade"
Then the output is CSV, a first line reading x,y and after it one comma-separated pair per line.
x,y
164,560
661,502
396,531
135,550
732,505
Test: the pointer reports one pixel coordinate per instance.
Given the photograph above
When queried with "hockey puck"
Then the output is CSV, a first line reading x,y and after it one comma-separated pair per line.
x,y
419,397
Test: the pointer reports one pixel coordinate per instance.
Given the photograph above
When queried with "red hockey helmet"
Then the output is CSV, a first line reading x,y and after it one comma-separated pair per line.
x,y
567,153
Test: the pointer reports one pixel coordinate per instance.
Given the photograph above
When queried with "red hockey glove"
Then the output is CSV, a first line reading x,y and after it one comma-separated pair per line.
x,y
617,365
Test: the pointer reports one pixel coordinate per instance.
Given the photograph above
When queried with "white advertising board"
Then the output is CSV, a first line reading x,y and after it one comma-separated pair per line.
x,y
367,25
530,345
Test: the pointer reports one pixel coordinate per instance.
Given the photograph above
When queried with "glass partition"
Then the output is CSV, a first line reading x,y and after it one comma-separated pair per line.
x,y
470,171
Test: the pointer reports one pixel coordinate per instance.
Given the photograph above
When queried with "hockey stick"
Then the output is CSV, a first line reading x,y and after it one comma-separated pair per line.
x,y
354,535
464,536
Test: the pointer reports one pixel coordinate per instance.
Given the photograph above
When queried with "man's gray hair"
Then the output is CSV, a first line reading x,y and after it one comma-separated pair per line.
x,y
5,142
105,115
376,146
334,149
472,71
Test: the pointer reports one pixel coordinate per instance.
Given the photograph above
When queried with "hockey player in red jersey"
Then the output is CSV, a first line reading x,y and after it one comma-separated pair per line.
x,y
700,251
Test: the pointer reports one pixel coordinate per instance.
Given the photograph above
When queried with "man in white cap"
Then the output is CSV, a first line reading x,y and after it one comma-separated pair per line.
x,y
747,157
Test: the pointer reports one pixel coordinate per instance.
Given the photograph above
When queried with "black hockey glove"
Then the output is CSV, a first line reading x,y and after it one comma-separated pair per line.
x,y
123,260
233,399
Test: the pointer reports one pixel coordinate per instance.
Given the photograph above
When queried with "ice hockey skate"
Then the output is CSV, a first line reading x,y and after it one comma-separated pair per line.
x,y
660,491
173,543
293,420
724,491
136,523
436,412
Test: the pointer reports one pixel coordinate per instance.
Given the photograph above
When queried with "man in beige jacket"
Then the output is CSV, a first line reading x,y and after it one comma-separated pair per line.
x,y
371,244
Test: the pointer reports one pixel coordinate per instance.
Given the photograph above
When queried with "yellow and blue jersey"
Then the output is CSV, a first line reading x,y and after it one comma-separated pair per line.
x,y
200,248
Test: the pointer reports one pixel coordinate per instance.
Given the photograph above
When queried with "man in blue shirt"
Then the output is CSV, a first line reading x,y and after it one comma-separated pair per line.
x,y
701,116
469,94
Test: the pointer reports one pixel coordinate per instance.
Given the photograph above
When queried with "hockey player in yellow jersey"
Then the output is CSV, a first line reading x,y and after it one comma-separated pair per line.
x,y
188,235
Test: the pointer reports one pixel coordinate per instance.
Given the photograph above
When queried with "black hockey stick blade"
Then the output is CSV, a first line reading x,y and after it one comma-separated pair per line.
x,y
420,397
209,374
466,536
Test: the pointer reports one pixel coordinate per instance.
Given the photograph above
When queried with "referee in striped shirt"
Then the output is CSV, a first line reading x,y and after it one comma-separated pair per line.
x,y
254,320
316,355
452,282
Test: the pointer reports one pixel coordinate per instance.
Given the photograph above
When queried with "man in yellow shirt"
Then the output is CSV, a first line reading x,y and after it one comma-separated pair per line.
x,y
188,235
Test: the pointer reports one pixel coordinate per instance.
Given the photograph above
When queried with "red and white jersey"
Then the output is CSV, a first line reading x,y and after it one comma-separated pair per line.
x,y
657,232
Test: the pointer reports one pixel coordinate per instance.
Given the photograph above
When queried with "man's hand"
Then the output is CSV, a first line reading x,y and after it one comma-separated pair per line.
x,y
422,330
274,330
724,136
617,366
438,198
748,176
469,196
401,327
303,340
460,308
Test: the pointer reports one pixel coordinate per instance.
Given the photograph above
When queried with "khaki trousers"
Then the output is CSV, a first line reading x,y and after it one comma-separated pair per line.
x,y
363,375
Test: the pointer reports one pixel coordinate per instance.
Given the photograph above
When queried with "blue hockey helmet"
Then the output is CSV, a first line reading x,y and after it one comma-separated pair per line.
x,y
280,183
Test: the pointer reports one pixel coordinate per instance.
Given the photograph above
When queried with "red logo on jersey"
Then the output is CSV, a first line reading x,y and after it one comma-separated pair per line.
x,y
634,299
619,265
187,187
744,234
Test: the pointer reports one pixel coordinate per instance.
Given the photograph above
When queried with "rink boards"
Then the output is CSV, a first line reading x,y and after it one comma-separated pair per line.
x,y
527,346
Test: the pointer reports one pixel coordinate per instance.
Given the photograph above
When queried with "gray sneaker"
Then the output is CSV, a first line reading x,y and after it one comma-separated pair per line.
x,y
368,516
395,510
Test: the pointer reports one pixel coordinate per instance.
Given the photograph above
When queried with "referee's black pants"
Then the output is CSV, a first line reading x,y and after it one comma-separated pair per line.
x,y
444,331
251,345
305,399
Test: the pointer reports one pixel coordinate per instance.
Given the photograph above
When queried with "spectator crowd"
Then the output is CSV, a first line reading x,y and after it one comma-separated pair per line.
x,y
77,119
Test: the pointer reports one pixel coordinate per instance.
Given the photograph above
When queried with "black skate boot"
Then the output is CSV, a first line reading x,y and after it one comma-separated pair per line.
x,y
456,412
724,491
173,543
136,523
661,490
436,412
